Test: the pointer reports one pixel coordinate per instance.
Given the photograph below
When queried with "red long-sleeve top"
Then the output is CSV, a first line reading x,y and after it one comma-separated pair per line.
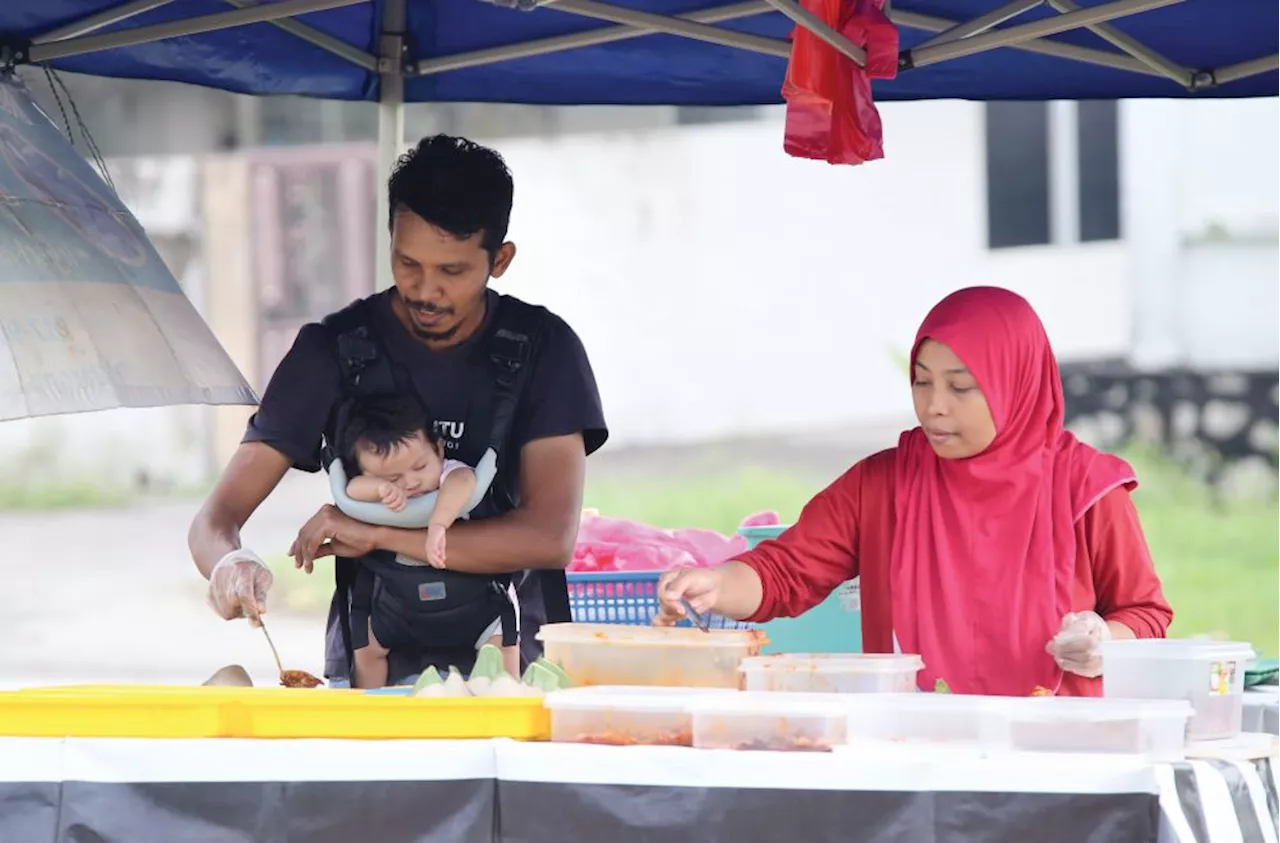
x,y
847,531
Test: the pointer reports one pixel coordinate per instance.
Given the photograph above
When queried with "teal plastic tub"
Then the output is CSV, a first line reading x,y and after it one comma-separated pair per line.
x,y
833,626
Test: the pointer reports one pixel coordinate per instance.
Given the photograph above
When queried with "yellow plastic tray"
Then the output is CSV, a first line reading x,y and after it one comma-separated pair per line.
x,y
206,712
345,715
100,713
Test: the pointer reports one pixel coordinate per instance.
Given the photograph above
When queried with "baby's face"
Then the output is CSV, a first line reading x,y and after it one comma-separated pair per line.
x,y
413,465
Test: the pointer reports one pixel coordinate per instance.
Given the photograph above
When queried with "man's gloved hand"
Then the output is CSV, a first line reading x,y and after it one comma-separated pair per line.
x,y
238,586
1077,648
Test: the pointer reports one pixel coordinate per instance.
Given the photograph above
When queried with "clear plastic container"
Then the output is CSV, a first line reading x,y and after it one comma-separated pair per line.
x,y
1154,728
777,722
625,716
955,719
611,654
1208,674
834,673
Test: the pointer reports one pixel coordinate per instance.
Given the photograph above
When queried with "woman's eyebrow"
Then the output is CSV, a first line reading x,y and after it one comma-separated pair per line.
x,y
961,371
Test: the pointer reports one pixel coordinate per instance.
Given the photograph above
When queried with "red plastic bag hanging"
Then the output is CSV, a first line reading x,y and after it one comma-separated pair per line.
x,y
830,113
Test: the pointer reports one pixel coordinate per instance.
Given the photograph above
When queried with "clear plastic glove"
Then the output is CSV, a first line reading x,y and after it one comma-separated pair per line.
x,y
238,586
699,586
1077,648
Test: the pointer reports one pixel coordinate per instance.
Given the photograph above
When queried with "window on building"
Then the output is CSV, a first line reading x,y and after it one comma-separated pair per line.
x,y
1098,153
1053,173
1017,140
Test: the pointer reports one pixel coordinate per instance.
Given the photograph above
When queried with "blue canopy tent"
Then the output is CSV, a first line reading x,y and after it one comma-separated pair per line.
x,y
644,52
572,52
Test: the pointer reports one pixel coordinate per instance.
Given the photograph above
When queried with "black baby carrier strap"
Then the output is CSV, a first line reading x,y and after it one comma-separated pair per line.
x,y
510,353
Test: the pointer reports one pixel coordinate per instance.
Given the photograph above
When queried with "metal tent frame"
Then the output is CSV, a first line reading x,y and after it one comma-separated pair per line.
x,y
953,39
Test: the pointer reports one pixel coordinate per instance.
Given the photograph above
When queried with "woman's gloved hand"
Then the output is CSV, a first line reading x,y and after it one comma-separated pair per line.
x,y
699,586
238,586
1077,648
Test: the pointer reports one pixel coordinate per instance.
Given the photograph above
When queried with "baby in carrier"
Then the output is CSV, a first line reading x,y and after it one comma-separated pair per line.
x,y
391,454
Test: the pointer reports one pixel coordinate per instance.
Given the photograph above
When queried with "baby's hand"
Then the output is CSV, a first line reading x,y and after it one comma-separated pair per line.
x,y
393,497
435,546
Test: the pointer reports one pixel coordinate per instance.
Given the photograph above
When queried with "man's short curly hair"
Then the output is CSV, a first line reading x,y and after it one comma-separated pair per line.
x,y
456,185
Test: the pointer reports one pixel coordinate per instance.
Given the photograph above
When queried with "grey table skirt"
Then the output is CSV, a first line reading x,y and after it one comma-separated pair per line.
x,y
234,791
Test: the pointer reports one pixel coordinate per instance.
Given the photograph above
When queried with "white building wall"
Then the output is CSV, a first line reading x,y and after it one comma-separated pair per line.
x,y
1202,214
723,288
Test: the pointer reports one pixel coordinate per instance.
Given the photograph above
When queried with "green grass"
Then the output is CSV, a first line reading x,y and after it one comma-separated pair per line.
x,y
297,591
716,501
64,496
89,495
1219,563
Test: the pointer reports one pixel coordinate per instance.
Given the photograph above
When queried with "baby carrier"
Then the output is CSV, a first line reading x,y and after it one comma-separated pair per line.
x,y
420,614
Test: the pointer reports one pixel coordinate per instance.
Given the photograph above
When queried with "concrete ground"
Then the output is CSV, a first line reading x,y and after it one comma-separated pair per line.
x,y
111,595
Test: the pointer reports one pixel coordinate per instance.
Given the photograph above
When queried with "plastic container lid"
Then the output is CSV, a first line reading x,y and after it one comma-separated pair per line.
x,y
631,698
1089,709
1177,649
835,662
945,703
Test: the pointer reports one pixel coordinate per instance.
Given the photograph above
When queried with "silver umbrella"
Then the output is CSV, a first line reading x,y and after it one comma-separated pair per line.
x,y
90,317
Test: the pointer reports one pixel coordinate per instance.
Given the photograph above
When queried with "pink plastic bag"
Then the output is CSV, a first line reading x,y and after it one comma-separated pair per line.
x,y
616,544
761,519
830,113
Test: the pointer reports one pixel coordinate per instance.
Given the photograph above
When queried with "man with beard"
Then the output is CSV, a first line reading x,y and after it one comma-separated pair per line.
x,y
494,374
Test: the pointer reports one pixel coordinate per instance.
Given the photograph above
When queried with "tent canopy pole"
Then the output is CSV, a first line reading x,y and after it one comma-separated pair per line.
x,y
191,26
93,23
980,24
922,56
590,38
801,16
1182,75
1056,49
673,26
391,49
1245,69
315,37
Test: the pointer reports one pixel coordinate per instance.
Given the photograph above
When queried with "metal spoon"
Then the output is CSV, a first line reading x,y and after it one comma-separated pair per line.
x,y
271,644
289,678
700,621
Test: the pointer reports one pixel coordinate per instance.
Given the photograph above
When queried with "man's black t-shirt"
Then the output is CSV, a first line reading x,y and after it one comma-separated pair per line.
x,y
559,399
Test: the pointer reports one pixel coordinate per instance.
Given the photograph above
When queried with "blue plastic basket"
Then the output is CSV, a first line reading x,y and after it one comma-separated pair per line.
x,y
625,598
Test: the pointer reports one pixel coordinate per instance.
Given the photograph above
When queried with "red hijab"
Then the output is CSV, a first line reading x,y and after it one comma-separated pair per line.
x,y
984,548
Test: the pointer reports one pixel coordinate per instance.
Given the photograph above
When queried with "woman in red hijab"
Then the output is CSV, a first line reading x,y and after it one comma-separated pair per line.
x,y
991,541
